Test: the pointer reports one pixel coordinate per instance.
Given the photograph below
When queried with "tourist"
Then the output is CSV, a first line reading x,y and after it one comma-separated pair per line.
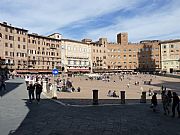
x,y
38,91
154,102
30,89
128,85
78,89
114,94
2,82
169,94
165,102
175,104
110,94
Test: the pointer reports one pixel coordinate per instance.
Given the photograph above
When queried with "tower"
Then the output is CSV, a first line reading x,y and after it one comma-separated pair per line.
x,y
122,38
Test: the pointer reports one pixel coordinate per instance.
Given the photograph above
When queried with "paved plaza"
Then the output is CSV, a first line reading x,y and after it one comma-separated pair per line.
x,y
133,93
19,117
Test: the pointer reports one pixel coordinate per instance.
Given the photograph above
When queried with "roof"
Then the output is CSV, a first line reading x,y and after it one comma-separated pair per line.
x,y
69,40
40,36
9,26
170,41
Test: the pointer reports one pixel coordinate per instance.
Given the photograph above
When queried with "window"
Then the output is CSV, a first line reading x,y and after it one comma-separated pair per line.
x,y
6,29
69,62
11,38
6,44
18,46
11,53
0,35
172,46
19,39
24,39
6,36
79,62
10,45
164,46
6,53
24,47
74,62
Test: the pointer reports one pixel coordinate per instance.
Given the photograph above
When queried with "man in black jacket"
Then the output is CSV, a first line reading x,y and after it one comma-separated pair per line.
x,y
30,89
175,104
38,91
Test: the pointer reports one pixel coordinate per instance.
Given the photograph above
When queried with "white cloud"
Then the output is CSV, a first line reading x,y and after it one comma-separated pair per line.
x,y
42,16
163,23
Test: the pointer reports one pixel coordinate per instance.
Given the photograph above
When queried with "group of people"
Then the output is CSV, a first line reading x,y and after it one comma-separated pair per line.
x,y
112,94
169,101
34,88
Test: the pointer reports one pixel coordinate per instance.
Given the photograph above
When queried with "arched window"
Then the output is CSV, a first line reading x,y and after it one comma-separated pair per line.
x,y
0,35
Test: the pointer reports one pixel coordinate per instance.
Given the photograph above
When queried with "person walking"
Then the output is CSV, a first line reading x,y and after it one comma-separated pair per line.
x,y
175,105
169,94
154,102
38,91
2,83
165,102
30,89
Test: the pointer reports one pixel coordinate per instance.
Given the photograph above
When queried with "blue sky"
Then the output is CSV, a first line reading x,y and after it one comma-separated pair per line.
x,y
78,19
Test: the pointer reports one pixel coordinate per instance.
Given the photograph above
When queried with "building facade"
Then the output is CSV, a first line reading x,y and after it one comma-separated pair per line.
x,y
24,53
13,45
170,56
44,53
76,56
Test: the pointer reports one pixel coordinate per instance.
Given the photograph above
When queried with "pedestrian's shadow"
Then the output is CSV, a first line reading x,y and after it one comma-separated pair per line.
x,y
35,113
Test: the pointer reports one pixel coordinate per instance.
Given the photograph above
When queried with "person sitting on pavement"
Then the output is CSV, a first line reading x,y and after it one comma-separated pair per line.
x,y
78,89
114,94
110,94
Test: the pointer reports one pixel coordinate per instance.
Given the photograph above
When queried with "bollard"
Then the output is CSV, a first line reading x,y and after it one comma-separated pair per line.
x,y
143,97
95,97
122,97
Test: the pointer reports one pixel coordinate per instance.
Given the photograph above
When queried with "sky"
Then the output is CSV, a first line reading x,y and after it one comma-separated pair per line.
x,y
93,19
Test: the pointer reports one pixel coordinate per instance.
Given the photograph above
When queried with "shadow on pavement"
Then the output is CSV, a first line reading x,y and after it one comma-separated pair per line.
x,y
116,101
50,118
174,86
10,86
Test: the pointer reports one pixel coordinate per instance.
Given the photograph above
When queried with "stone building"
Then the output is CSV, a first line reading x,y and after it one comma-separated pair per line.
x,y
76,56
13,45
170,55
44,53
125,56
